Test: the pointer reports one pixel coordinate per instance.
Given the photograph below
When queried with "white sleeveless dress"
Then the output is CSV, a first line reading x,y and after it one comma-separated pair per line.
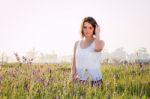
x,y
88,63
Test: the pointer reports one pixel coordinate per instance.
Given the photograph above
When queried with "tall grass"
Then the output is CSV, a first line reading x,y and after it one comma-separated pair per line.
x,y
52,81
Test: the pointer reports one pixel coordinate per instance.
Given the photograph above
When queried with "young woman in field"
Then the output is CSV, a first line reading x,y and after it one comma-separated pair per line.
x,y
87,54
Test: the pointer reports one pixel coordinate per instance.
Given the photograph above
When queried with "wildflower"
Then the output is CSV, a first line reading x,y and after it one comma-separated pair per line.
x,y
46,84
30,61
24,59
33,72
49,70
18,58
41,80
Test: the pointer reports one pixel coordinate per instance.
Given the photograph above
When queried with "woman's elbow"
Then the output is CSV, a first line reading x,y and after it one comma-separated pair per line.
x,y
98,49
100,46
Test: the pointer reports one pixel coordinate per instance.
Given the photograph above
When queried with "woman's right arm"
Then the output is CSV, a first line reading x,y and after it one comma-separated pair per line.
x,y
73,67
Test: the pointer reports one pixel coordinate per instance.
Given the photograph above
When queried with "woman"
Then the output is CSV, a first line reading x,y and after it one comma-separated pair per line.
x,y
87,54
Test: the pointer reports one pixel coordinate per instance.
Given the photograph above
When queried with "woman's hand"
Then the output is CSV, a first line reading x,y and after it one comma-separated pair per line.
x,y
97,30
99,44
73,76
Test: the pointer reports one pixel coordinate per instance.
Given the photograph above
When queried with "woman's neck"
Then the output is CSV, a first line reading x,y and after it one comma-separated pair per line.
x,y
88,39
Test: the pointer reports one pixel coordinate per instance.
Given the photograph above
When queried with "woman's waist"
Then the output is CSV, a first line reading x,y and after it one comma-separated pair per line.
x,y
87,67
88,64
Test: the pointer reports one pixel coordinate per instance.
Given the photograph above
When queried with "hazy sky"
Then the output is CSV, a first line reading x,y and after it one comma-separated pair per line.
x,y
49,25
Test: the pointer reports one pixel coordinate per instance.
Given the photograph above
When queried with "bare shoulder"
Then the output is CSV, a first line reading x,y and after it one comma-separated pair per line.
x,y
76,43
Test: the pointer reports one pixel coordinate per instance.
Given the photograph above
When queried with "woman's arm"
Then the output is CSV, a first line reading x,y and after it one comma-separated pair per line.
x,y
99,44
73,67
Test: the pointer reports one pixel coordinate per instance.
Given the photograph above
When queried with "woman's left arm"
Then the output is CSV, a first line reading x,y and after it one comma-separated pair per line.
x,y
99,44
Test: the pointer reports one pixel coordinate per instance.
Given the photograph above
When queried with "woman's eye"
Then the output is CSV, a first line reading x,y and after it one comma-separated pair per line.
x,y
90,27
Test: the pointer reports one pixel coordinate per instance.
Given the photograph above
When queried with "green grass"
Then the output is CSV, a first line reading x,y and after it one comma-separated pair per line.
x,y
52,81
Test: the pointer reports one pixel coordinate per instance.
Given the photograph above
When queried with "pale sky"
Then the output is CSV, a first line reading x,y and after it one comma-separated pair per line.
x,y
54,25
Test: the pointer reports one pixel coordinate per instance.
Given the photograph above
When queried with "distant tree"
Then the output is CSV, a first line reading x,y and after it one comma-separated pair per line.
x,y
2,59
105,56
41,57
118,55
142,55
48,58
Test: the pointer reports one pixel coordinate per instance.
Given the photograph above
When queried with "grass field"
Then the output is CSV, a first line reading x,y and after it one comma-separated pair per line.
x,y
52,81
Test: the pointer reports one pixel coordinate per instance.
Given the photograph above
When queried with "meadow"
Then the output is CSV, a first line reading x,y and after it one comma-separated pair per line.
x,y
52,81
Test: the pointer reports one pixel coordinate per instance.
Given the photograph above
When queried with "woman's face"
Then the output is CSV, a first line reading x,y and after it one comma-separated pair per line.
x,y
88,30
